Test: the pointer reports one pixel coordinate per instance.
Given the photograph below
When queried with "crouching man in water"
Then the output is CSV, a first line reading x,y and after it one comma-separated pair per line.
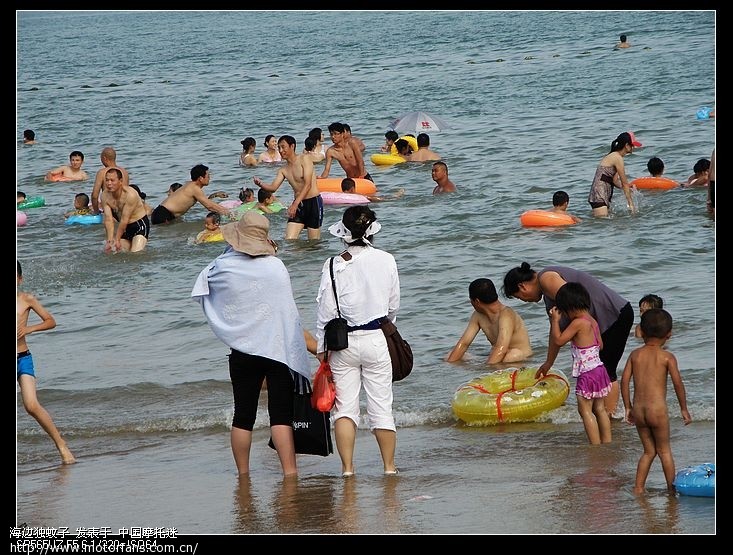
x,y
503,327
123,204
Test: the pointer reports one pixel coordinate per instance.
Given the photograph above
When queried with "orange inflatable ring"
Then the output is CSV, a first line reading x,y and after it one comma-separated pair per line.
x,y
333,185
654,183
539,218
60,177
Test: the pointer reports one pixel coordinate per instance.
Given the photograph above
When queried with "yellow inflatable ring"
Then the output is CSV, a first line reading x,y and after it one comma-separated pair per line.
x,y
509,395
333,185
654,183
214,238
411,140
386,159
539,218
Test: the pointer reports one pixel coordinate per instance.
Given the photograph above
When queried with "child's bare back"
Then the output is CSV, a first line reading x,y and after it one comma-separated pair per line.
x,y
647,369
649,366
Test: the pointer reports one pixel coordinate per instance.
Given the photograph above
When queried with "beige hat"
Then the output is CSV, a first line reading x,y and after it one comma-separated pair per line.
x,y
249,235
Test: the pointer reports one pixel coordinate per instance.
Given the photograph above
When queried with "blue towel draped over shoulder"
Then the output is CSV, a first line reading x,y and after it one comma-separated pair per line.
x,y
248,302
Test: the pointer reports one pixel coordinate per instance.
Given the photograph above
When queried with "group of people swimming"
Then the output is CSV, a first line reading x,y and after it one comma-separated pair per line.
x,y
128,218
582,311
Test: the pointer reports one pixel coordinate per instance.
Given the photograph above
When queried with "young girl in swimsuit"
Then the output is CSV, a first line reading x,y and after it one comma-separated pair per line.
x,y
573,302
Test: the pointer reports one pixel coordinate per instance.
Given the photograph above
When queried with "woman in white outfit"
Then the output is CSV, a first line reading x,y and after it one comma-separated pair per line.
x,y
368,289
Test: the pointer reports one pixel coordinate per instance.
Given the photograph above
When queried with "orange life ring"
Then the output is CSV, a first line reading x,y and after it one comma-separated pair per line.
x,y
333,185
60,177
539,218
654,183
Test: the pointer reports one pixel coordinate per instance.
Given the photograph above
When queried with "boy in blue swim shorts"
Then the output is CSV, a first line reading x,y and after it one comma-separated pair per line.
x,y
25,303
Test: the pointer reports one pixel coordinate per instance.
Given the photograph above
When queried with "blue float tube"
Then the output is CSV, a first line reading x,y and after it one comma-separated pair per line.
x,y
704,112
85,219
696,481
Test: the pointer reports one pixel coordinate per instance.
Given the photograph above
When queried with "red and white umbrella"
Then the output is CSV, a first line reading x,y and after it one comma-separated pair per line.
x,y
418,122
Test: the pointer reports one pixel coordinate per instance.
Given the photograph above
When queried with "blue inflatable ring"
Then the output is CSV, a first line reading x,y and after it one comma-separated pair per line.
x,y
86,219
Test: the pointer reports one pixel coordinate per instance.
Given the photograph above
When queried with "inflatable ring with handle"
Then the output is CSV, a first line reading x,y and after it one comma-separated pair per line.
x,y
509,395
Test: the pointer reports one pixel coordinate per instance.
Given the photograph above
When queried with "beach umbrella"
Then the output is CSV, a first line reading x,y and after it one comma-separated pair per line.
x,y
418,122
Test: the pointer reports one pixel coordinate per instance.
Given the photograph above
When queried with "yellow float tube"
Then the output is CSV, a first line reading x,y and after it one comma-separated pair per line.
x,y
509,395
381,159
386,159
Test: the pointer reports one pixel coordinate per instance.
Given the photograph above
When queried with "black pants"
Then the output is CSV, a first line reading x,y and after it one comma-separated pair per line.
x,y
614,340
247,373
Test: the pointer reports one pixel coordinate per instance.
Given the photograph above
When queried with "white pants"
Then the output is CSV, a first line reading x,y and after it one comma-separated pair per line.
x,y
365,362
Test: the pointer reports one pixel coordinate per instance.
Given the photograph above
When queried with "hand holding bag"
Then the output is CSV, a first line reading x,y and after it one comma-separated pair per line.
x,y
399,351
311,427
324,390
336,331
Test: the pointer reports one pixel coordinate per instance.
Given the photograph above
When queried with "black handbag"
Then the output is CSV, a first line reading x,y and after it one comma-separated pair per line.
x,y
311,427
336,331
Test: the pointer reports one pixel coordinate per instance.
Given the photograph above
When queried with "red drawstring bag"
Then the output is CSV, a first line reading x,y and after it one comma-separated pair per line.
x,y
324,390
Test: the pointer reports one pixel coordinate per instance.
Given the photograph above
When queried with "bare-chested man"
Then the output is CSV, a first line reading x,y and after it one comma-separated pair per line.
x,y
70,172
424,154
108,157
356,140
439,174
306,210
123,204
504,328
182,199
346,151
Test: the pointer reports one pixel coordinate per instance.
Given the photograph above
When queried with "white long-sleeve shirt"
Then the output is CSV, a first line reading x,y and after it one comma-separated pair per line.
x,y
368,288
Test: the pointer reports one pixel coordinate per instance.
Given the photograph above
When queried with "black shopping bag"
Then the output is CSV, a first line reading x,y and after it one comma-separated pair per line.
x,y
311,427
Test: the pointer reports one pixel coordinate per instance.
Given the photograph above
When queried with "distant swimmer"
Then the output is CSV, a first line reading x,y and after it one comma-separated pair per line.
x,y
624,43
403,149
271,155
503,327
108,157
424,154
610,174
439,174
212,228
358,143
348,186
701,175
81,206
124,205
181,201
311,149
347,152
248,158
29,137
390,139
560,201
70,172
306,210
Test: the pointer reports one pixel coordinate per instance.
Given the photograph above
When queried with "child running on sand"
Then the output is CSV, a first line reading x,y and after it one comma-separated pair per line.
x,y
648,368
645,303
593,385
24,303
